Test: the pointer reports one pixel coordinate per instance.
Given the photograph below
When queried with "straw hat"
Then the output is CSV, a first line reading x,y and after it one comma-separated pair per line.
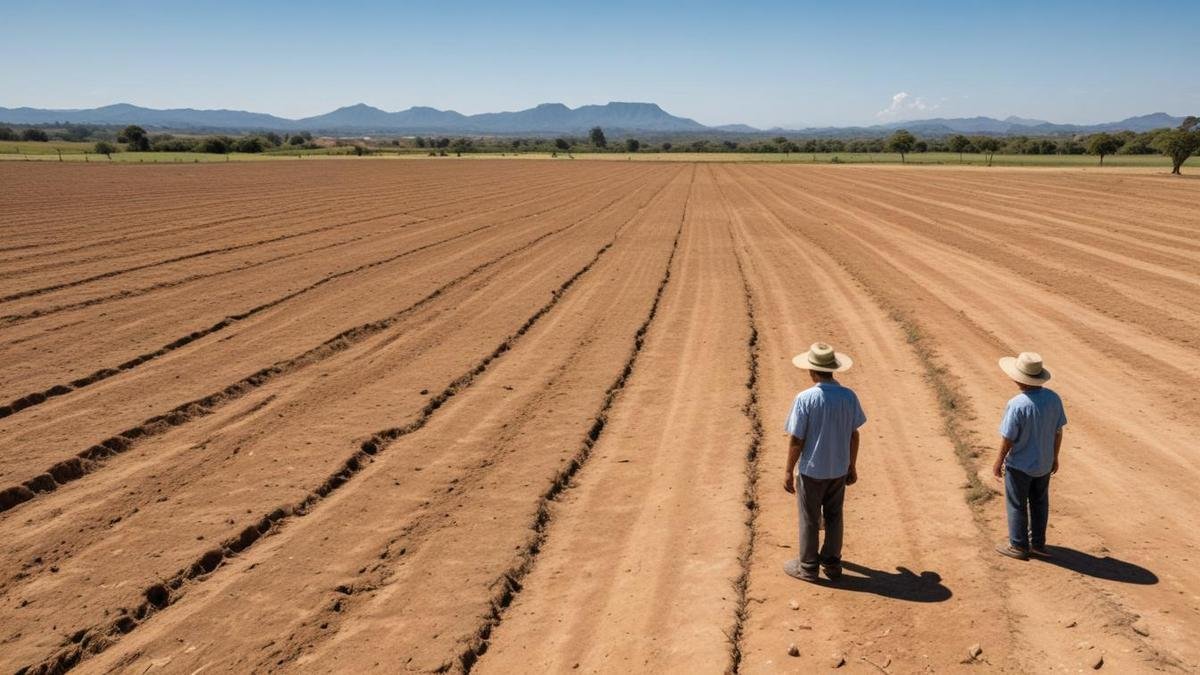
x,y
1025,368
821,357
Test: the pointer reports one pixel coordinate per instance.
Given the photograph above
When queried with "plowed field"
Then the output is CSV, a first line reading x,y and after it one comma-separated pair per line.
x,y
527,416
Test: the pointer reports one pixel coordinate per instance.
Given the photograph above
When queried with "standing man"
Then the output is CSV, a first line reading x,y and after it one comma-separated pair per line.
x,y
822,449
1031,433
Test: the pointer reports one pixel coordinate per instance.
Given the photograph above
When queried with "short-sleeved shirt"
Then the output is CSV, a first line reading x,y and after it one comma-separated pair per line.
x,y
1031,421
825,415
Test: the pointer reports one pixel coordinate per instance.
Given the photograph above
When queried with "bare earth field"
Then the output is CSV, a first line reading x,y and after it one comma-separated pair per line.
x,y
527,416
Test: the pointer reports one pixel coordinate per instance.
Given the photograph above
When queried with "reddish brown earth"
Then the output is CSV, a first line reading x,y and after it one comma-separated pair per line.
x,y
527,416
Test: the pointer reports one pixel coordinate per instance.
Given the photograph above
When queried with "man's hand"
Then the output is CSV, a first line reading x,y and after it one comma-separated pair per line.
x,y
998,471
790,484
1054,469
852,476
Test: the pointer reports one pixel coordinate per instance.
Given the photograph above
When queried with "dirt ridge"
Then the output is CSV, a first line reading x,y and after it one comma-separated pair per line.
x,y
159,596
741,584
509,582
88,460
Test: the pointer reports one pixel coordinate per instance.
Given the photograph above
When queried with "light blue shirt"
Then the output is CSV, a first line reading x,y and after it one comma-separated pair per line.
x,y
825,415
1031,420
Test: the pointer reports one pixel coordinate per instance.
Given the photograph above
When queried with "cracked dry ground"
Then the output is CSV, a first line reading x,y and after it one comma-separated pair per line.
x,y
518,416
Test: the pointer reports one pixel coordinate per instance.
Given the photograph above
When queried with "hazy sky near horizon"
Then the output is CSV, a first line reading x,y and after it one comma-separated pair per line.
x,y
763,63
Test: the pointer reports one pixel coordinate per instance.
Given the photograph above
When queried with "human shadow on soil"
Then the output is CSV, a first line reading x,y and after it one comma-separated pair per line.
x,y
903,584
1107,568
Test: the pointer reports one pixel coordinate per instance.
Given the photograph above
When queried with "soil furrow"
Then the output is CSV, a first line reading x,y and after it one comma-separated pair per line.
x,y
90,459
37,398
91,641
741,585
509,582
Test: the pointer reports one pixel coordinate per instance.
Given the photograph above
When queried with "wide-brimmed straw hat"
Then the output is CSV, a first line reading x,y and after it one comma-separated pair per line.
x,y
1025,368
821,357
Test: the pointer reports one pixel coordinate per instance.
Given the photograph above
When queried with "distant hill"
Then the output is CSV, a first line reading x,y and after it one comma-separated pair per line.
x,y
547,118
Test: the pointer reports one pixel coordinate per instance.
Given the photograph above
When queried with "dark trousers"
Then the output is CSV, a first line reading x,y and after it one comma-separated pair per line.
x,y
1027,499
817,496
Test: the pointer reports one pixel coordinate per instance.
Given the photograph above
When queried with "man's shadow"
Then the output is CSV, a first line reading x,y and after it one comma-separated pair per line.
x,y
903,584
1108,568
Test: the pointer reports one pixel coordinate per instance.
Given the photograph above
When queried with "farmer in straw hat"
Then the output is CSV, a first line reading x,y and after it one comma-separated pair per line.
x,y
822,451
1032,434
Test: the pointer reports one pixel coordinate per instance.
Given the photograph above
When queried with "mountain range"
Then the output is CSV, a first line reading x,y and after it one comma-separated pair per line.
x,y
547,118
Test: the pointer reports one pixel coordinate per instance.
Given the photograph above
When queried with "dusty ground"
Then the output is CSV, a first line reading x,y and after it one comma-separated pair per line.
x,y
522,416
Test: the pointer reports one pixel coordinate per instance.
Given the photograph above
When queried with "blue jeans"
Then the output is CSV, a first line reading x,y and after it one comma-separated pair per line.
x,y
1027,499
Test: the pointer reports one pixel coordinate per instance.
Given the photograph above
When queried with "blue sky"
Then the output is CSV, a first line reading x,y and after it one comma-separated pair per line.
x,y
762,63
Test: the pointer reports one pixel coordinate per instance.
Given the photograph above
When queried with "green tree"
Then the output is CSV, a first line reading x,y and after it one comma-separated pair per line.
x,y
902,142
988,146
666,146
105,148
217,145
35,135
959,144
1103,144
562,144
250,144
597,137
7,134
273,138
297,140
632,144
135,137
1179,144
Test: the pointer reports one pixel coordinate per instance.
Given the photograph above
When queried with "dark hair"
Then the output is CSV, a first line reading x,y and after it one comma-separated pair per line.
x,y
823,375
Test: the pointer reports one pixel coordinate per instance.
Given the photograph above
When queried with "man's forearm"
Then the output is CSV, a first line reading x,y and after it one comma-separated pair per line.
x,y
1005,447
853,450
795,446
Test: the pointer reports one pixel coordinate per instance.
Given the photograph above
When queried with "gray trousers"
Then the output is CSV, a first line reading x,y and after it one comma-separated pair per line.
x,y
817,496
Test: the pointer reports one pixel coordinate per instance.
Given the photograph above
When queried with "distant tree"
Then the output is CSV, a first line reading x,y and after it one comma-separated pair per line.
x,y
902,142
988,146
597,137
959,144
168,143
360,150
920,146
1179,144
217,145
730,145
35,135
632,144
700,146
250,144
295,140
1103,144
273,138
419,141
105,148
562,144
443,142
7,134
77,132
135,138
666,146
461,145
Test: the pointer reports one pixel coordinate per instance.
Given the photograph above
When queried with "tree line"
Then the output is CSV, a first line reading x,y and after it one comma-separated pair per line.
x,y
1179,144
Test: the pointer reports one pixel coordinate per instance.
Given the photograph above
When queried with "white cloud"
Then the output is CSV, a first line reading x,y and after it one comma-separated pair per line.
x,y
903,104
